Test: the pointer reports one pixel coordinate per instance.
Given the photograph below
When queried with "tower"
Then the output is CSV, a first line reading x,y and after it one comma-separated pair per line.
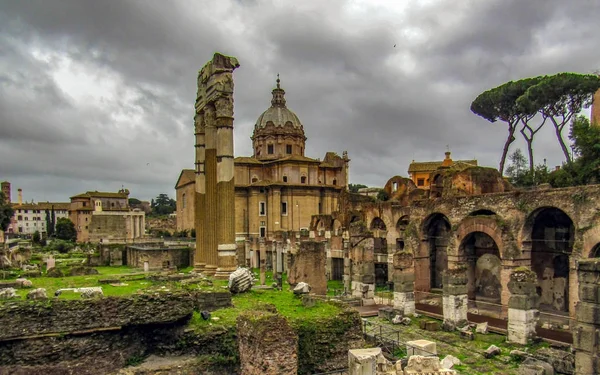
x,y
215,195
6,190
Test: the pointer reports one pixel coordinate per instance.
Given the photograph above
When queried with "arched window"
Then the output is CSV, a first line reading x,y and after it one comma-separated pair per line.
x,y
183,200
285,178
334,181
254,179
303,179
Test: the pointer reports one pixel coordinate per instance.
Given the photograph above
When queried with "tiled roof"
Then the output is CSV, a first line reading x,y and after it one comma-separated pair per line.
x,y
42,206
101,194
246,160
430,166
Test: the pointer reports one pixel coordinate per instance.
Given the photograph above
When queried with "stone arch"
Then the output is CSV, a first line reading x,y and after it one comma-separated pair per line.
x,y
433,255
487,225
336,227
482,212
484,265
549,233
378,224
595,253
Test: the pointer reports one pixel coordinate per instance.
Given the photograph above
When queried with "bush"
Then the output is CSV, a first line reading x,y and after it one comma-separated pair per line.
x,y
60,246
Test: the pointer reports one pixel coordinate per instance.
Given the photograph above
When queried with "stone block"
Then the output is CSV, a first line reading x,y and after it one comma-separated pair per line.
x,y
405,302
404,287
449,361
419,365
309,265
491,351
455,309
586,363
404,277
521,288
589,293
521,325
421,347
588,313
586,337
454,290
535,366
523,302
386,313
482,328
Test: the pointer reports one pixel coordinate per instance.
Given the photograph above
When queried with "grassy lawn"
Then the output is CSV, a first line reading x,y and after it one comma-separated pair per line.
x,y
286,302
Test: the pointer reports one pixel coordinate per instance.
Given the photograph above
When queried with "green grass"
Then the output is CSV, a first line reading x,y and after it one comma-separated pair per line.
x,y
286,302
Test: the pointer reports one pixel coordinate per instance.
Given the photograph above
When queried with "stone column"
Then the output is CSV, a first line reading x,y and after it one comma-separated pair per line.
x,y
523,304
586,336
363,271
370,362
267,344
308,265
215,199
404,282
455,299
263,261
347,262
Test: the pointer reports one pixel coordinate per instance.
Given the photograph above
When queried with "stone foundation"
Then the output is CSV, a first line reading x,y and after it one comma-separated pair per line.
x,y
455,300
405,302
364,291
522,306
308,264
267,344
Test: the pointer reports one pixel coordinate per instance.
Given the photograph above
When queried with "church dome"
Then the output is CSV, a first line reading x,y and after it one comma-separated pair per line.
x,y
278,131
278,114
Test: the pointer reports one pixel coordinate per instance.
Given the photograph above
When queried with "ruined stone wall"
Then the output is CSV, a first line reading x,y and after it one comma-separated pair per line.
x,y
308,264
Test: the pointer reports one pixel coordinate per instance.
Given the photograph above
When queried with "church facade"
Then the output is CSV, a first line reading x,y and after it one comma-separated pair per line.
x,y
278,189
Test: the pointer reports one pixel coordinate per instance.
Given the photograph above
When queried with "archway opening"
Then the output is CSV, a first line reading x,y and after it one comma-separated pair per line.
x,y
552,235
482,213
401,228
379,230
483,267
595,253
437,229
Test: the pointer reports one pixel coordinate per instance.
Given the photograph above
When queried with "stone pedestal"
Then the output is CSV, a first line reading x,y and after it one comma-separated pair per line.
x,y
308,265
369,362
421,347
363,271
455,300
404,282
523,311
586,335
267,344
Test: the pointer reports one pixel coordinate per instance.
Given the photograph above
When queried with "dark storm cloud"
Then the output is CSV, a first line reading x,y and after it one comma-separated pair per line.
x,y
352,89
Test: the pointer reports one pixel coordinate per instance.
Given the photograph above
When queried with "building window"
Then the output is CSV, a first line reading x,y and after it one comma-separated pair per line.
x,y
420,181
20,217
262,208
334,182
254,179
303,179
270,149
84,204
263,232
183,200
26,218
395,186
284,178
284,208
288,149
25,211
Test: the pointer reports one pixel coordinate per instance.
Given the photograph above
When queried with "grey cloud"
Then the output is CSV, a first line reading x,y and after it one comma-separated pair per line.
x,y
352,89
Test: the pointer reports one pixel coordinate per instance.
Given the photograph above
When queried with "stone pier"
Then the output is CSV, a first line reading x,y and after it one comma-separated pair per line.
x,y
213,122
455,299
586,336
308,264
404,282
523,304
363,271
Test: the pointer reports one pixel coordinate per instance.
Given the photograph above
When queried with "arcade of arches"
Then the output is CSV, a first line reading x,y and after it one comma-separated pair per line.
x,y
490,235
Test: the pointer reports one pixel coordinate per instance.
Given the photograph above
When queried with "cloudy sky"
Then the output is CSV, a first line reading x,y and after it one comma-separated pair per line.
x,y
99,94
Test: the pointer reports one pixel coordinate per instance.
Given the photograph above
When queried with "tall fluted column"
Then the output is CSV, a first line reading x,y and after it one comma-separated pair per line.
x,y
200,193
215,200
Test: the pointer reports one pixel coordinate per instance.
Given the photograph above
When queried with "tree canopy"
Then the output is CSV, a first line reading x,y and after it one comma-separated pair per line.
x,y
65,229
353,188
163,205
6,212
557,98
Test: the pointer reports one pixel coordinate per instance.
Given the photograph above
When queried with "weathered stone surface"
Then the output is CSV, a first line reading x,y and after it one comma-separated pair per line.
x,y
8,293
405,301
23,318
455,311
240,281
302,288
421,348
562,361
482,328
267,344
37,294
491,351
449,361
418,365
535,366
308,265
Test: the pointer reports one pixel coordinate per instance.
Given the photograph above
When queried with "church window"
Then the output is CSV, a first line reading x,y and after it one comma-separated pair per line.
x,y
284,208
303,179
288,149
270,149
262,208
263,232
183,200
284,178
395,186
334,182
254,179
420,181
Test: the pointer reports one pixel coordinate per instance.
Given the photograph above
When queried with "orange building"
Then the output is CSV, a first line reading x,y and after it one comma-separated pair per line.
x,y
420,172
